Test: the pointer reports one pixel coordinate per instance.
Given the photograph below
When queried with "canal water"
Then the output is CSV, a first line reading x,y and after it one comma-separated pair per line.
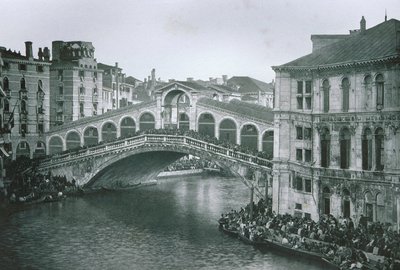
x,y
172,225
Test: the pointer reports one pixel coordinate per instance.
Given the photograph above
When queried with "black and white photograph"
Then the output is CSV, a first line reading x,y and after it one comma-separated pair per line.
x,y
200,134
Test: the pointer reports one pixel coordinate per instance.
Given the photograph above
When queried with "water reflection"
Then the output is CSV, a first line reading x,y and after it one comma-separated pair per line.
x,y
168,226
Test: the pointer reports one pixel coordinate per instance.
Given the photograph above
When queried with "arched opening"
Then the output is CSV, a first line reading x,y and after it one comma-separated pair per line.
x,y
40,150
249,137
6,85
23,149
326,197
345,148
147,122
380,91
380,208
55,145
369,206
176,103
90,136
184,122
228,131
268,144
109,132
325,147
379,149
325,88
346,203
207,124
73,140
345,94
366,150
128,127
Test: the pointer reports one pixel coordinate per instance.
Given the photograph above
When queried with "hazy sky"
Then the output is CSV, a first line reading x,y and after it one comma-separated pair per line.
x,y
188,38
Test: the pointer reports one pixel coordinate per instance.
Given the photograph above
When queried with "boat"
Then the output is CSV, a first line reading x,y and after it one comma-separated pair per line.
x,y
229,231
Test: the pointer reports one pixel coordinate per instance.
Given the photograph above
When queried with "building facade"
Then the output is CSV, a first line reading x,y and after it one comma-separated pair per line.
x,y
337,127
25,82
75,82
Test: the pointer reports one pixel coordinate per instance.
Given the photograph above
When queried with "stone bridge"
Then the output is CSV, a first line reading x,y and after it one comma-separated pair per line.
x,y
177,106
141,158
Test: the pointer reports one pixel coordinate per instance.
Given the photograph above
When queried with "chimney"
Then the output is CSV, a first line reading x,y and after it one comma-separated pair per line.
x,y
190,79
40,54
362,24
225,79
28,50
46,54
116,64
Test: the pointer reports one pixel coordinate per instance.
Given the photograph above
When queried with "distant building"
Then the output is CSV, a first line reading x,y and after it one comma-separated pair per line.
x,y
337,131
75,82
25,112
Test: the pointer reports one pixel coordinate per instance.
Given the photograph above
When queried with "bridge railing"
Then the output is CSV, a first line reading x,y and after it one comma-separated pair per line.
x,y
136,141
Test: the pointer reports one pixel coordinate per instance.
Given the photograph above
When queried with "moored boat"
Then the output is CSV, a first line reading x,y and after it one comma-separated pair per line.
x,y
229,231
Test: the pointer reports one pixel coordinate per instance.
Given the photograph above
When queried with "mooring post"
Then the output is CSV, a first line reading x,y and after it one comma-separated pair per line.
x,y
251,201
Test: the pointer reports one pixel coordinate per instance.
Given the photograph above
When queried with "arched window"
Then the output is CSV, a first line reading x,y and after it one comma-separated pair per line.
x,y
109,132
268,144
325,88
366,150
128,127
55,145
228,131
380,89
368,91
325,147
73,140
147,122
183,121
249,137
90,136
380,208
369,206
345,148
22,83
6,85
379,149
326,195
207,124
346,203
345,94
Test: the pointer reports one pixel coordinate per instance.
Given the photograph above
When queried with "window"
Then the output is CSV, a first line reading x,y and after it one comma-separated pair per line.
x,y
298,206
325,89
325,147
299,133
24,129
345,94
308,87
299,154
366,149
299,183
22,83
61,90
299,103
40,128
307,133
380,87
39,68
308,103
81,73
6,85
82,90
307,155
95,74
307,185
379,149
6,66
299,87
60,74
345,147
22,67
81,109
307,215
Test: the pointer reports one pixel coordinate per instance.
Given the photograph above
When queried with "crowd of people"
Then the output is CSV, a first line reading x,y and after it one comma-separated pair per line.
x,y
338,240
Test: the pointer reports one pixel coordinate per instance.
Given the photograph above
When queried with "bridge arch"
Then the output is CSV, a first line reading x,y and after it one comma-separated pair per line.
x,y
108,131
127,126
147,121
73,140
55,145
206,124
249,135
176,104
228,127
174,93
90,136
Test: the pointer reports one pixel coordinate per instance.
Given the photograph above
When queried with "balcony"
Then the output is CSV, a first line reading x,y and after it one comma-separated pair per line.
x,y
373,176
59,119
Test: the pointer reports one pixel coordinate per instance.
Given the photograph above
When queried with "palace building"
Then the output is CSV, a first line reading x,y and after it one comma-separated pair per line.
x,y
337,127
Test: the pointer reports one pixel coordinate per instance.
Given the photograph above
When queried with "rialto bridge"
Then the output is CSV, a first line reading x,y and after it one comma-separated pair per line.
x,y
96,143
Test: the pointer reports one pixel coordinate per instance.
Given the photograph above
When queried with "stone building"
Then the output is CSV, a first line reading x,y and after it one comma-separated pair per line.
x,y
337,127
25,81
75,82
